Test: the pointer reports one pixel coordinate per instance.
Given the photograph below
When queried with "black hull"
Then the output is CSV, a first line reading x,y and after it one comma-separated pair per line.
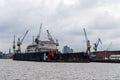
x,y
44,57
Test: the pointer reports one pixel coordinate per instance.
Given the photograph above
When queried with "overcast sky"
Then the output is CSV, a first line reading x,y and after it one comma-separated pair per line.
x,y
65,19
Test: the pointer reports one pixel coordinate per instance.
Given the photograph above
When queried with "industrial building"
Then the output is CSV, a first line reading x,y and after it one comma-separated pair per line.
x,y
106,55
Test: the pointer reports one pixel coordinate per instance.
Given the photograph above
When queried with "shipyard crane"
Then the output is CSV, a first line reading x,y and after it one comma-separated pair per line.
x,y
49,36
51,39
38,37
19,43
87,42
96,44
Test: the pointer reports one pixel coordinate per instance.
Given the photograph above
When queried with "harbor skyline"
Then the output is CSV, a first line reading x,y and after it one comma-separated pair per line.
x,y
64,19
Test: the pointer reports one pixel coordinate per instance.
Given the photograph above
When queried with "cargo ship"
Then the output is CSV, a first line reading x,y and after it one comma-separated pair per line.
x,y
46,51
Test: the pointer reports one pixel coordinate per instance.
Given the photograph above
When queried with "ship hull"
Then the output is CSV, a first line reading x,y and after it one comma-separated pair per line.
x,y
58,57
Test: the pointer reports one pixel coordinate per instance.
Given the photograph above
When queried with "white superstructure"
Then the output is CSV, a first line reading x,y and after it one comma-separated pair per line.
x,y
42,46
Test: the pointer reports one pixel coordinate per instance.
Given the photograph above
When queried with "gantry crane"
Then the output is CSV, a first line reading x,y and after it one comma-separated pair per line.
x,y
96,44
38,37
87,42
19,43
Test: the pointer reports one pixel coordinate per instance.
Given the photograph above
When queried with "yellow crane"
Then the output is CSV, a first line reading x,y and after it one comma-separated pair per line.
x,y
19,43
87,42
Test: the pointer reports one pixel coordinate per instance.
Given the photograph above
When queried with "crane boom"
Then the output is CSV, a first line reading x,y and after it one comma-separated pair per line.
x,y
39,32
49,36
97,43
37,38
19,42
100,40
24,36
87,42
86,38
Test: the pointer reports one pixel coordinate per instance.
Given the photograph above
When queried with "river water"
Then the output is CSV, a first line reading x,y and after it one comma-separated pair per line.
x,y
23,70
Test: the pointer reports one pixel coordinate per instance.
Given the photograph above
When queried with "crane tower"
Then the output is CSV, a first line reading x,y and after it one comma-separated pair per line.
x,y
87,42
19,43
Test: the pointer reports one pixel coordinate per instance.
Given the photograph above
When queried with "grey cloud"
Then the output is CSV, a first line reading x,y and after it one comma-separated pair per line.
x,y
87,4
105,22
64,21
